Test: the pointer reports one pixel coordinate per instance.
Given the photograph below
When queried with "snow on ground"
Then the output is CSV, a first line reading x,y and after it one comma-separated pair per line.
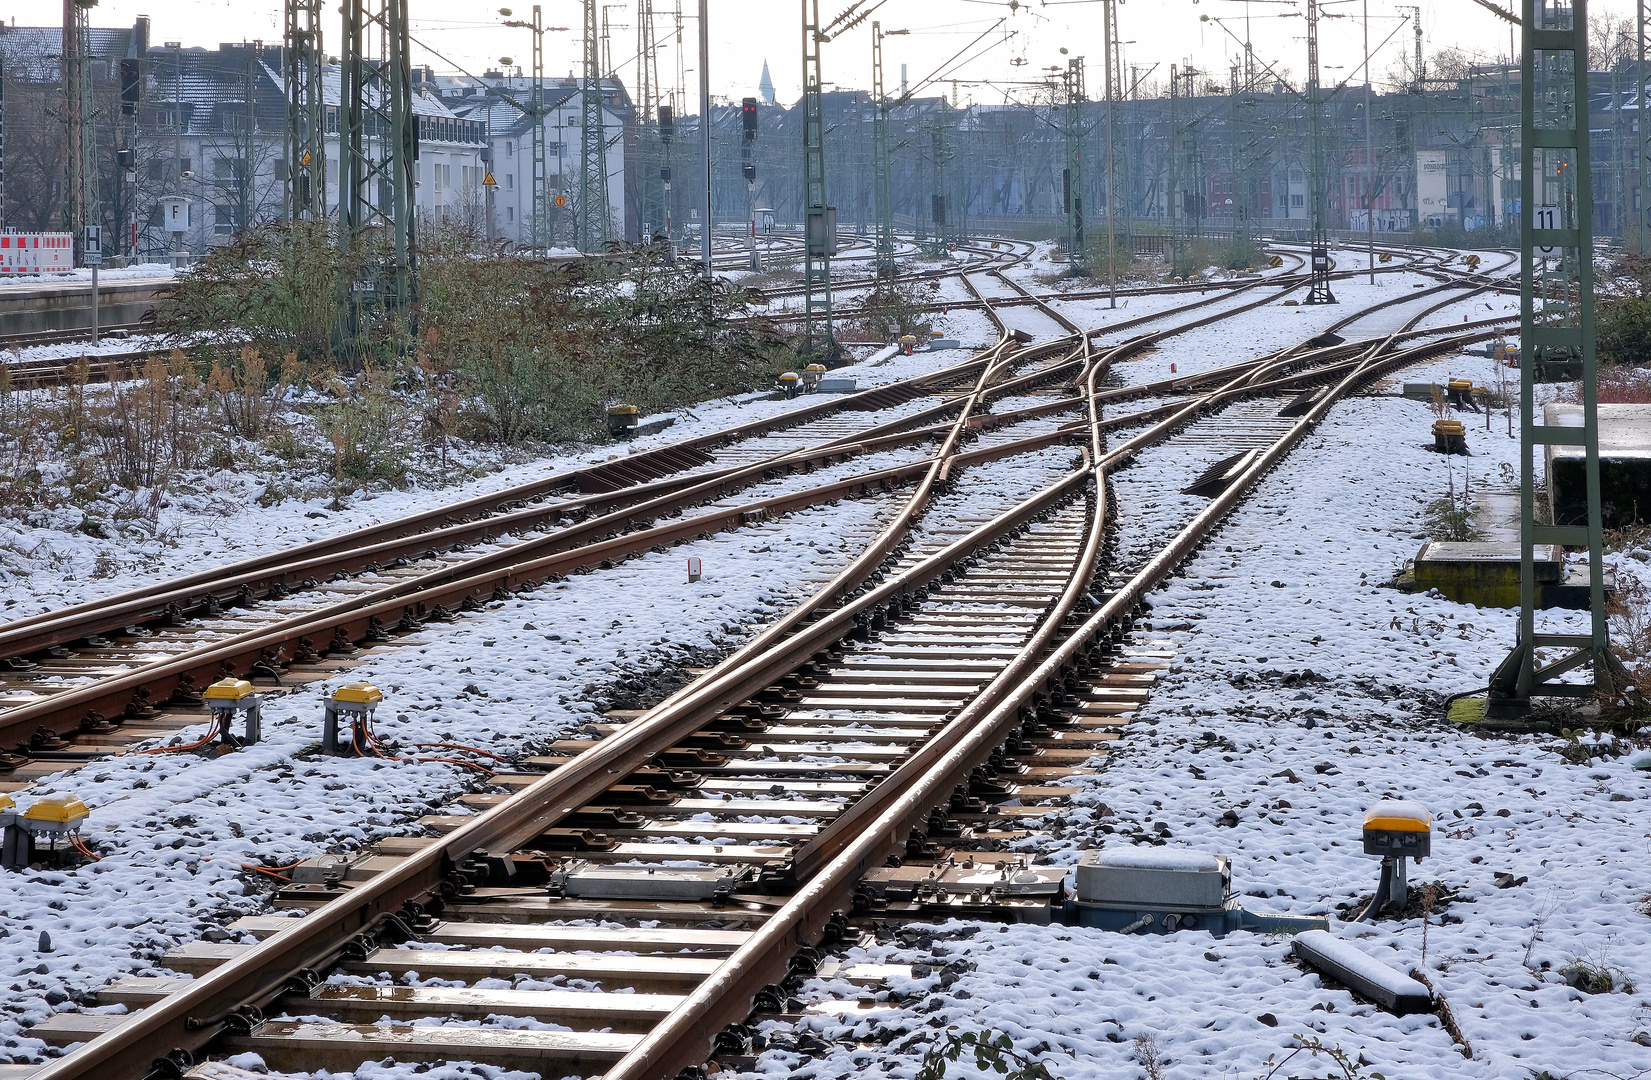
x,y
71,351
1303,691
1275,326
83,276
51,564
176,827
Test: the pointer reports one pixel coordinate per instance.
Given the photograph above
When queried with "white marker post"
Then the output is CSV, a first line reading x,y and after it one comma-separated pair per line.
x,y
693,571
94,258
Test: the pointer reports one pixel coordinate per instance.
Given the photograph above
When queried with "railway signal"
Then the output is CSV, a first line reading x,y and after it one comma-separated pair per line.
x,y
748,135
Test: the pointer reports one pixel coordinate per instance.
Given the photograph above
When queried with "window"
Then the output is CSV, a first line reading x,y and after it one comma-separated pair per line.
x,y
510,213
510,181
1296,200
223,219
184,165
1296,176
509,148
157,171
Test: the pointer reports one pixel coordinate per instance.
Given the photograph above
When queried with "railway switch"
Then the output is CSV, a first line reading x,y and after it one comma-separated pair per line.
x,y
50,821
788,384
229,698
1395,829
354,705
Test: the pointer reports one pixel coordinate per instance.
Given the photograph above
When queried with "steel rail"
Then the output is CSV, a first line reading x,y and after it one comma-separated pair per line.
x,y
487,574
189,1019
685,1037
452,587
316,941
493,502
624,507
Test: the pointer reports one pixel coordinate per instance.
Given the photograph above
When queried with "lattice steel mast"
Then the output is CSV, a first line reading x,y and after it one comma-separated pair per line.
x,y
1077,253
539,229
882,192
1644,170
1319,246
1113,47
80,203
817,337
1174,161
1556,327
647,90
593,144
304,144
378,144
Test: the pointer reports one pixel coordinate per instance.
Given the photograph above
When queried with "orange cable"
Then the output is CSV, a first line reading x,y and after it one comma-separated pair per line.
x,y
265,870
472,749
210,735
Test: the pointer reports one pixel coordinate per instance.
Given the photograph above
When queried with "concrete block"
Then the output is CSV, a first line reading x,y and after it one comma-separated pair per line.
x,y
1624,466
1487,574
1362,973
835,384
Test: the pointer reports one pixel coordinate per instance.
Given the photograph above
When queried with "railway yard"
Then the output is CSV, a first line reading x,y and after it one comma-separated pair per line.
x,y
780,741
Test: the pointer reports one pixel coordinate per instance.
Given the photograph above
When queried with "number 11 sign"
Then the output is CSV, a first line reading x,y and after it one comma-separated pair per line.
x,y
1545,217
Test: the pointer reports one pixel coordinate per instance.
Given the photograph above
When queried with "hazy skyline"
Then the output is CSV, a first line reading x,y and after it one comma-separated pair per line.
x,y
1029,40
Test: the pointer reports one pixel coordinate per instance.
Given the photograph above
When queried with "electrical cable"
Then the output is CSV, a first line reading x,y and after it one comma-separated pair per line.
x,y
1379,901
461,746
211,734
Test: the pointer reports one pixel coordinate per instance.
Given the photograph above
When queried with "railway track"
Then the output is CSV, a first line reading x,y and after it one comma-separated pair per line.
x,y
166,642
727,840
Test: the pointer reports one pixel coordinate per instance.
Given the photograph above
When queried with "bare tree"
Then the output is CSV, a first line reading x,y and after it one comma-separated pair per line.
x,y
1611,45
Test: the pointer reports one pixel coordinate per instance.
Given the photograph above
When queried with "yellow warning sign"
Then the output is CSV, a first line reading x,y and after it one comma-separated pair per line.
x,y
1275,261
561,200
489,181
305,160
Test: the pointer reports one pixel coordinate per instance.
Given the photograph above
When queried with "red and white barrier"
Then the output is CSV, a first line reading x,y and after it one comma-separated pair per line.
x,y
37,253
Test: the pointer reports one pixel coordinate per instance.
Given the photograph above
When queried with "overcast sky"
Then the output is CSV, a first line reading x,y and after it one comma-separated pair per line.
x,y
1016,46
